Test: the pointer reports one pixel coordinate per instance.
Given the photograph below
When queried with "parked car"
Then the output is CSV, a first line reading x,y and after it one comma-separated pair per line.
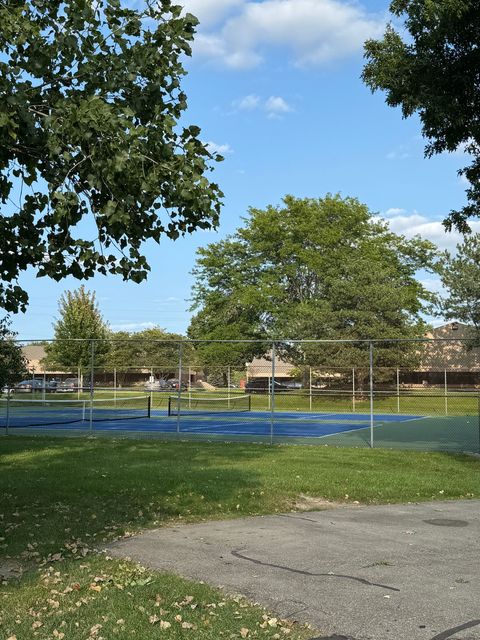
x,y
173,384
28,386
262,385
68,385
156,385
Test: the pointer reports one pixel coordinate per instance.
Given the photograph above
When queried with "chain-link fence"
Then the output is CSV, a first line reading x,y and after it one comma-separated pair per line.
x,y
419,394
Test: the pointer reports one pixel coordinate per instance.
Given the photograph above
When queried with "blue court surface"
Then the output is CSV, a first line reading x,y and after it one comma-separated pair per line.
x,y
252,423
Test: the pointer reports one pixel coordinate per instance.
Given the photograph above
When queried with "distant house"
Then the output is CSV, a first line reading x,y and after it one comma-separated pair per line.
x,y
261,368
35,355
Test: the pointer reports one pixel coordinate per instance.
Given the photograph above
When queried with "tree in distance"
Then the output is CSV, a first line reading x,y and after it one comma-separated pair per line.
x,y
79,322
432,69
460,274
153,349
312,269
95,157
13,364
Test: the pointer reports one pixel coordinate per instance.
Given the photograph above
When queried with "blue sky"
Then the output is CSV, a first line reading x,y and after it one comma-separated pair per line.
x,y
275,86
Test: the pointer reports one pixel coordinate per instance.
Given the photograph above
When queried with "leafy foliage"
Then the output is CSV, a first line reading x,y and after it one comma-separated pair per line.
x,y
13,364
80,322
460,275
90,130
433,70
152,348
312,269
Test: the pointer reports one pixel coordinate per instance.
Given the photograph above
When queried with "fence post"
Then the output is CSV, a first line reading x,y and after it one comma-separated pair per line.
x,y
398,390
310,382
7,417
179,395
189,387
228,386
478,414
353,390
371,395
115,386
272,395
92,373
446,393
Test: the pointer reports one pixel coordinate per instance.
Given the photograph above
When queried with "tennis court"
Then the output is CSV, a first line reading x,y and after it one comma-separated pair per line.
x,y
234,419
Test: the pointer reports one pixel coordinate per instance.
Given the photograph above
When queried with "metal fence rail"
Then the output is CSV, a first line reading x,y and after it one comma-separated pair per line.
x,y
420,394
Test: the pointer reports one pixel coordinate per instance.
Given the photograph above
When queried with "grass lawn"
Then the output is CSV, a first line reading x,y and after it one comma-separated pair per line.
x,y
61,498
430,402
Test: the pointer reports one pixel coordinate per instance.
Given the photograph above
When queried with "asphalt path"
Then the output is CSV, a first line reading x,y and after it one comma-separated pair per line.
x,y
393,572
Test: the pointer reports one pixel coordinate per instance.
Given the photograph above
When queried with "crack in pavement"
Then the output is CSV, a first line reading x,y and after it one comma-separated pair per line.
x,y
295,517
238,554
451,632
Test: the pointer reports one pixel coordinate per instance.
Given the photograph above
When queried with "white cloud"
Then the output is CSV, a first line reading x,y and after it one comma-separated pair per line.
x,y
393,212
222,149
277,105
274,106
410,225
399,154
210,12
248,103
238,33
133,326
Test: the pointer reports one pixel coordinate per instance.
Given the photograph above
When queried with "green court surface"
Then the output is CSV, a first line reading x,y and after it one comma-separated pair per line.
x,y
434,433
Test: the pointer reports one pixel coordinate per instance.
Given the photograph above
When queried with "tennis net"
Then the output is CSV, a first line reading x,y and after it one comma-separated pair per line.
x,y
186,405
37,413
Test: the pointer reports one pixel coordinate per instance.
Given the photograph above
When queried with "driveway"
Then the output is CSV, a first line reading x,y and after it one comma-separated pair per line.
x,y
393,572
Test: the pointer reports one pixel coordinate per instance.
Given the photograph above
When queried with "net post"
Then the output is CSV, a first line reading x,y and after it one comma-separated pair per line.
x,y
272,395
446,392
80,381
371,394
44,389
115,386
92,373
149,407
179,395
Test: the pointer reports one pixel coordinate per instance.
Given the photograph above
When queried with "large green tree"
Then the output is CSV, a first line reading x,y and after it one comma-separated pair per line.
x,y
311,269
13,364
79,322
95,154
431,67
460,273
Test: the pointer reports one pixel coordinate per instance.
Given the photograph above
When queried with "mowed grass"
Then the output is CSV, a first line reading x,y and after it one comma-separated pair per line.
x,y
68,491
61,499
424,402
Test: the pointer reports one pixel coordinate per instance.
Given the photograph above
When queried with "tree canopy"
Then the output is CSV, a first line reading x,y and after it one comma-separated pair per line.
x,y
311,269
13,364
460,274
92,129
151,348
79,322
431,68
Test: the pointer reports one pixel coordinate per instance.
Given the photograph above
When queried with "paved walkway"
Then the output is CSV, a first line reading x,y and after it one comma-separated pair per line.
x,y
398,572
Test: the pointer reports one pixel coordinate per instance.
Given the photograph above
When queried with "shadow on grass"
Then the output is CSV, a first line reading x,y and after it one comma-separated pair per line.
x,y
55,492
